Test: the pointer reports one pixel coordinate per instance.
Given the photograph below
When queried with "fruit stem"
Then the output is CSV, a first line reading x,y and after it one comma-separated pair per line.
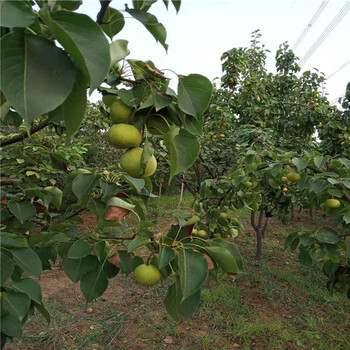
x,y
149,257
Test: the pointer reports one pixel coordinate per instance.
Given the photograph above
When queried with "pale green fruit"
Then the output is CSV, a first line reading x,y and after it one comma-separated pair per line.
x,y
217,235
157,125
223,215
119,112
147,275
294,177
124,136
284,179
333,203
202,233
248,195
195,232
131,163
248,184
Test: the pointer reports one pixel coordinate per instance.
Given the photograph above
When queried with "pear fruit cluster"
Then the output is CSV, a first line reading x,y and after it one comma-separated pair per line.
x,y
123,135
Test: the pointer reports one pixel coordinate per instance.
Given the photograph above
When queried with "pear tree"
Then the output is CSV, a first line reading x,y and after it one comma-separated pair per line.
x,y
52,59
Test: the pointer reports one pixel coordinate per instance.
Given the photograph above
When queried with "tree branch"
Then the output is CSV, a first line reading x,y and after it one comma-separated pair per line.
x,y
24,135
7,181
206,168
102,12
252,220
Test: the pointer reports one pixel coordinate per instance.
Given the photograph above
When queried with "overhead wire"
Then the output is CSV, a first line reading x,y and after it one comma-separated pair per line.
x,y
338,70
336,20
310,24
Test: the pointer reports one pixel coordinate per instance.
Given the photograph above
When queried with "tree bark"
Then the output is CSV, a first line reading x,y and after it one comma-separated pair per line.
x,y
260,231
24,135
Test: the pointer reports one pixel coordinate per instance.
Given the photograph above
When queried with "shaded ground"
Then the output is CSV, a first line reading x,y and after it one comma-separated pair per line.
x,y
275,304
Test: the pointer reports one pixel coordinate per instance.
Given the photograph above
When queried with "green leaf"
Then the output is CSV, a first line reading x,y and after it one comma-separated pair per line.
x,y
118,202
346,217
29,66
113,22
173,303
94,283
305,258
300,163
42,309
75,268
193,271
6,267
345,162
118,50
194,94
137,184
72,111
56,195
319,185
29,287
234,252
12,240
183,149
127,263
23,211
100,250
224,258
152,25
75,32
166,256
177,5
317,253
28,261
327,236
137,242
83,184
107,188
132,96
16,14
4,110
11,326
70,5
79,249
17,304
110,269
320,161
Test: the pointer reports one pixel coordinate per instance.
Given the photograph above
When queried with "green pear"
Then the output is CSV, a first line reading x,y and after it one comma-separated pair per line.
x,y
294,177
124,136
147,275
131,163
332,203
119,112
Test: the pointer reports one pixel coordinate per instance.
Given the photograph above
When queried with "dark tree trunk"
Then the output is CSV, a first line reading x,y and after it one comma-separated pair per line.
x,y
260,231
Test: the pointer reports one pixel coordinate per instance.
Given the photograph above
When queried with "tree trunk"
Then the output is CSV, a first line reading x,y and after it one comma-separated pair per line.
x,y
259,241
260,230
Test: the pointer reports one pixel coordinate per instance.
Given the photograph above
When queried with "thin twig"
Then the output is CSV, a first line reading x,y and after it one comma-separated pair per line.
x,y
24,135
102,12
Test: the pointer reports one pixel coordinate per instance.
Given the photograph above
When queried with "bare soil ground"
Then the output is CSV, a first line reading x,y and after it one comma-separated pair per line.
x,y
275,304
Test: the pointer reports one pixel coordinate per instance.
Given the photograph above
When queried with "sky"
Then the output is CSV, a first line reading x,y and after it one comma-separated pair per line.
x,y
204,29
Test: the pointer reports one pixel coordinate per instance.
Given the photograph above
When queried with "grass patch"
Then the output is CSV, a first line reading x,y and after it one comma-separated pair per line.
x,y
275,304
